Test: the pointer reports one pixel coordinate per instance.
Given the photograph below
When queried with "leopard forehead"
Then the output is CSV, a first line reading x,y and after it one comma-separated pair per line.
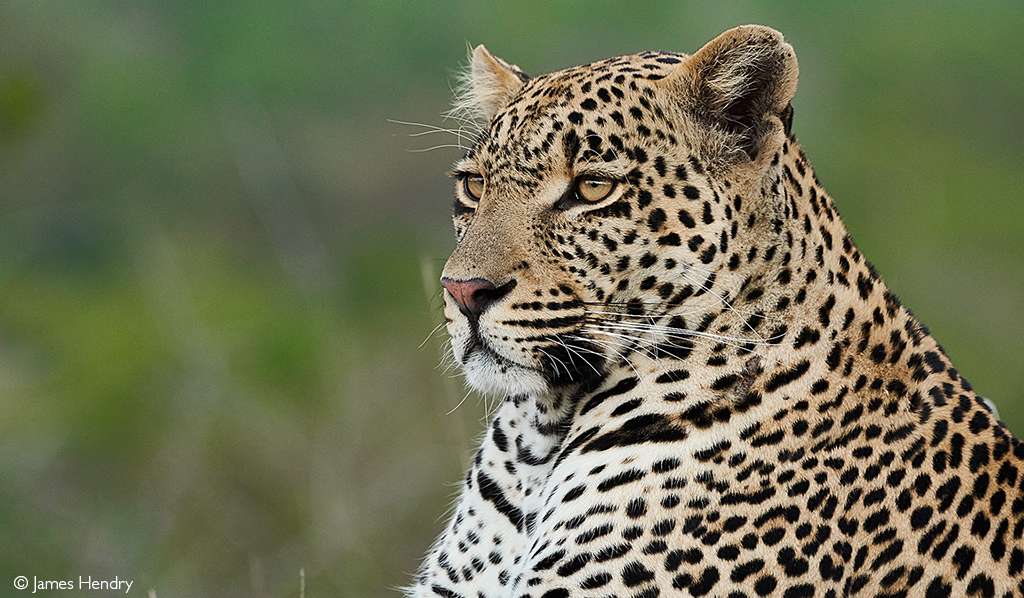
x,y
583,115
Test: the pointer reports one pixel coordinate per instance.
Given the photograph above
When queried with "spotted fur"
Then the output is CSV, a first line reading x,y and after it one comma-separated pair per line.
x,y
708,389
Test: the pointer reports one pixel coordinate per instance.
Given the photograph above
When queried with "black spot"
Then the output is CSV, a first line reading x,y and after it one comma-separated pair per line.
x,y
724,382
596,581
707,217
611,552
745,570
939,589
805,590
574,564
672,376
549,561
981,585
671,239
979,457
623,386
656,220
963,558
707,581
490,491
641,429
864,286
594,533
659,165
620,479
635,574
627,407
825,310
500,440
446,593
765,585
783,378
636,508
574,493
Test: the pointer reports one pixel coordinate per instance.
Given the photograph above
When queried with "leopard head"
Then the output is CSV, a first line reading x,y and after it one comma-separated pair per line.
x,y
603,208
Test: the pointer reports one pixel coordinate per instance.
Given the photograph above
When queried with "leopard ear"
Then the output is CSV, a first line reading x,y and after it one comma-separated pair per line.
x,y
489,85
740,84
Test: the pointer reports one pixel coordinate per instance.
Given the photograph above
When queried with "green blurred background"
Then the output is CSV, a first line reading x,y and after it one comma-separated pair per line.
x,y
219,259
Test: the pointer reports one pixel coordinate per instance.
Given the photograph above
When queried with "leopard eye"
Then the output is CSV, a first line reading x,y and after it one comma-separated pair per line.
x,y
593,190
473,184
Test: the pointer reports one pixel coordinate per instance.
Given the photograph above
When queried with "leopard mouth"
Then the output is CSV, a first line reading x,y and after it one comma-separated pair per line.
x,y
559,367
477,344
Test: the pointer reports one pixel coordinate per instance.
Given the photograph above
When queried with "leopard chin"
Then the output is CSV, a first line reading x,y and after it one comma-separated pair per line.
x,y
490,374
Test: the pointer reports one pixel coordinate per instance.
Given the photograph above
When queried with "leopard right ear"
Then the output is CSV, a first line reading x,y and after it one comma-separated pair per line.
x,y
739,87
489,86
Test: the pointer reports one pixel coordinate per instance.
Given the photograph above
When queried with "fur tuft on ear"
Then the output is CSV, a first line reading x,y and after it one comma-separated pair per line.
x,y
486,87
740,85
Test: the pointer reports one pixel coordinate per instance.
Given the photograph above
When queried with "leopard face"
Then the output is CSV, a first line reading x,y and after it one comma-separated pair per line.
x,y
596,211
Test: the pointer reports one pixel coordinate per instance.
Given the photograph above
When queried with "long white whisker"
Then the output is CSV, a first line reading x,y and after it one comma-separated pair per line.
x,y
567,350
431,128
680,332
611,347
651,347
673,334
432,333
460,402
651,316
725,302
442,146
576,351
555,362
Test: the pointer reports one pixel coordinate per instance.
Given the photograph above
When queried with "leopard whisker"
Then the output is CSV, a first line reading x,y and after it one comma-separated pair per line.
x,y
555,362
567,350
468,392
611,346
431,334
635,344
721,298
675,335
576,351
440,146
681,332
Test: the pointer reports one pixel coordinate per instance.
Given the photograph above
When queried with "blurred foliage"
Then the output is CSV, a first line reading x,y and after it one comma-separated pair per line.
x,y
218,258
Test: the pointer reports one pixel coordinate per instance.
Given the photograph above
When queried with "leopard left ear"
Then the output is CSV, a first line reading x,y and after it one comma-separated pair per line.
x,y
739,85
490,85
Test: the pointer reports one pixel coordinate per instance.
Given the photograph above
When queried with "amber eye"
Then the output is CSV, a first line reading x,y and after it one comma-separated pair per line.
x,y
474,186
594,190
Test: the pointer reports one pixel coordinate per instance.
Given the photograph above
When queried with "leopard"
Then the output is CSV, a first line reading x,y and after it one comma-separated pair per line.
x,y
702,387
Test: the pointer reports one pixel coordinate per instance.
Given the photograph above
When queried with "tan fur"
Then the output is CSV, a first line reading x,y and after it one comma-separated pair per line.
x,y
709,391
486,87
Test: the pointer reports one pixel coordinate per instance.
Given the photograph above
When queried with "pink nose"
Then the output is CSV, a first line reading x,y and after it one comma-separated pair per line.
x,y
475,295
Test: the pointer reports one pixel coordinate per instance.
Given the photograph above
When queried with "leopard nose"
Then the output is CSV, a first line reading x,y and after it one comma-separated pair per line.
x,y
475,295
